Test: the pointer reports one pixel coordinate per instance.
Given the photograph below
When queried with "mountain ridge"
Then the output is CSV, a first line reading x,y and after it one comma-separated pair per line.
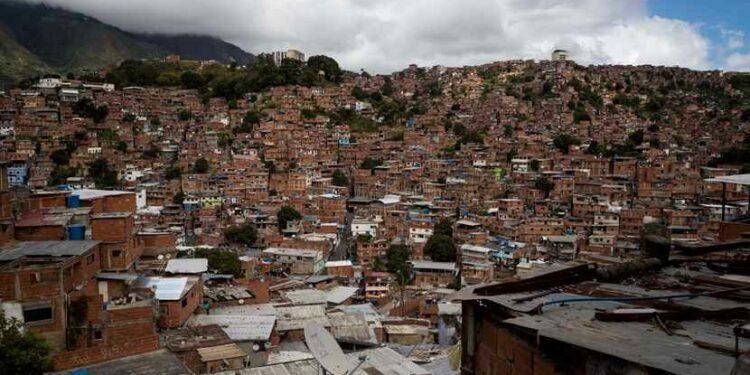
x,y
39,39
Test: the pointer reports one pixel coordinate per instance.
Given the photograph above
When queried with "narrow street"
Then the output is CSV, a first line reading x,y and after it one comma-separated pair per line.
x,y
341,251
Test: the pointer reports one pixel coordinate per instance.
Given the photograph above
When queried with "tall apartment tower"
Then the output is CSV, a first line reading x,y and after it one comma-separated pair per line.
x,y
559,55
293,54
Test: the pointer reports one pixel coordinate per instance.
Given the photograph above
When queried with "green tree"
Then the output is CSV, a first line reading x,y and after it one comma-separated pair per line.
x,y
596,148
378,265
168,79
285,215
370,163
251,118
340,179
122,146
459,130
655,228
511,155
245,234
179,197
86,107
184,115
397,257
330,68
580,115
563,142
440,248
544,184
358,93
60,157
444,227
200,166
21,351
152,152
173,173
103,175
128,117
534,165
508,131
60,175
221,261
292,70
636,138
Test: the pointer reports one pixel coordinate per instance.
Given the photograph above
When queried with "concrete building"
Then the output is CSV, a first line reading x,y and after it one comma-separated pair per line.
x,y
293,54
560,55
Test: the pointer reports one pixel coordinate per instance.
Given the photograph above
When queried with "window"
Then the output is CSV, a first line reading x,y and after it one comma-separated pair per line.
x,y
184,302
118,253
43,277
90,259
37,313
97,334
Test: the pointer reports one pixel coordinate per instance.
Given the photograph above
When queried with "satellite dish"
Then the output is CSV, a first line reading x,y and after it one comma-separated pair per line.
x,y
169,256
241,301
326,350
256,347
160,257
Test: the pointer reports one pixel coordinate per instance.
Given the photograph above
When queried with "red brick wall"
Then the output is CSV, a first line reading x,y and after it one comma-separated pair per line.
x,y
347,271
49,285
131,250
6,209
125,315
112,229
259,288
44,201
115,203
158,240
500,353
49,233
732,231
174,315
97,354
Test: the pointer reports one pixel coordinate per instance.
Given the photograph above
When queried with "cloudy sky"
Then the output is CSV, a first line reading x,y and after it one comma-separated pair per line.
x,y
386,35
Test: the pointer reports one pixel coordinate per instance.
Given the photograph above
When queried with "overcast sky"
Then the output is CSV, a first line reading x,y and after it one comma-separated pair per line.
x,y
385,35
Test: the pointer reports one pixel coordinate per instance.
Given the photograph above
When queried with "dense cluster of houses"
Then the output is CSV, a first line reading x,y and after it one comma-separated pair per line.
x,y
518,159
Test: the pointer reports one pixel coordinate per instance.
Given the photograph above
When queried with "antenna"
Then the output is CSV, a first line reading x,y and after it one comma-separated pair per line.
x,y
326,351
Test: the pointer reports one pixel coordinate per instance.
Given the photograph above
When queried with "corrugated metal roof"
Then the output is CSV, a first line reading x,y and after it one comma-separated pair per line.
x,y
352,327
339,294
295,317
47,249
86,194
254,309
305,367
635,342
449,308
739,179
215,353
406,329
238,327
305,296
189,265
422,264
339,263
387,362
170,289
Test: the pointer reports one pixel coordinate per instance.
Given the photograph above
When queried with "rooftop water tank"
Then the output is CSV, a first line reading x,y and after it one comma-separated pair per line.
x,y
72,201
76,232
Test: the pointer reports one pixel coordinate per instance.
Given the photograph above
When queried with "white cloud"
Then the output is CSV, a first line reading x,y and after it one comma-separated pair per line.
x,y
739,62
735,39
386,35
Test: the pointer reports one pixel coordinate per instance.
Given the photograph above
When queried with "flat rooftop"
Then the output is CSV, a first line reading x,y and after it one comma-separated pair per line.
x,y
62,249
